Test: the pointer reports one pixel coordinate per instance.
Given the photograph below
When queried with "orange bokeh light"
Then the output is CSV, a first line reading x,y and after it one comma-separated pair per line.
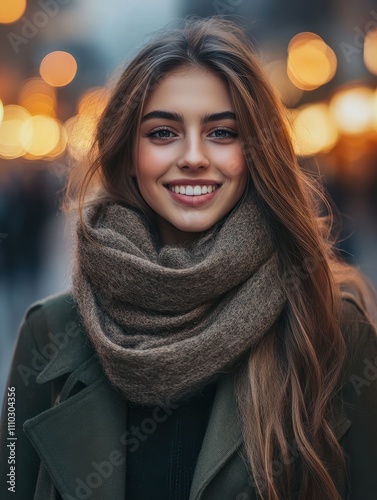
x,y
40,135
93,101
80,130
11,131
38,97
370,51
314,130
58,68
11,11
288,92
352,109
311,62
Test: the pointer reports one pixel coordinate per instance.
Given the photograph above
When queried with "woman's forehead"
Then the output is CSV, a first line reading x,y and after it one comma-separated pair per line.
x,y
189,90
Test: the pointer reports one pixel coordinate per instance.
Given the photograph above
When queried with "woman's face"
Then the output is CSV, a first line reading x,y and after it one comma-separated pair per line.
x,y
188,141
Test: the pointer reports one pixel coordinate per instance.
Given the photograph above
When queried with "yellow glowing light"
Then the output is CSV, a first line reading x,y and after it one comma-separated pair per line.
x,y
1,111
353,110
58,68
375,110
278,77
11,131
311,62
11,10
80,131
93,101
61,145
370,51
40,135
313,130
39,104
38,97
37,85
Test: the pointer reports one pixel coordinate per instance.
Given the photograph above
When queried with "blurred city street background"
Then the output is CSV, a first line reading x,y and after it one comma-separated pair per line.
x,y
58,59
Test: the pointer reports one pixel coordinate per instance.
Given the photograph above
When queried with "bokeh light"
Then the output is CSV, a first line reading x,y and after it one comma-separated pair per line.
x,y
58,68
61,145
370,51
80,133
38,97
39,135
11,131
278,77
375,110
352,109
11,10
314,130
1,110
311,62
93,102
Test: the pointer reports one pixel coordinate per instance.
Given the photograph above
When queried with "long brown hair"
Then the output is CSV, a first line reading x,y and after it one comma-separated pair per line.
x,y
294,372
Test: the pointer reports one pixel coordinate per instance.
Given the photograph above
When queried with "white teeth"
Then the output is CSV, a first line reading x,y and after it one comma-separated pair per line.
x,y
193,190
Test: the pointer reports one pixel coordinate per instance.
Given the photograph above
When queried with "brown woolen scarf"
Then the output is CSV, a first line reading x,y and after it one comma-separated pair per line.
x,y
166,321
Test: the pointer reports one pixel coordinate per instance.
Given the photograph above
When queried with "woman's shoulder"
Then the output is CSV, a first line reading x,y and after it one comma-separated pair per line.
x,y
360,335
59,303
355,322
53,315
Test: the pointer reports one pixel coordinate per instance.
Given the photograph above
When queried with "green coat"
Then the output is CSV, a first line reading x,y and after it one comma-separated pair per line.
x,y
71,424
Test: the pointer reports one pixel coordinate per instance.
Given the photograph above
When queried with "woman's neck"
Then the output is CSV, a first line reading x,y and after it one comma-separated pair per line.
x,y
170,235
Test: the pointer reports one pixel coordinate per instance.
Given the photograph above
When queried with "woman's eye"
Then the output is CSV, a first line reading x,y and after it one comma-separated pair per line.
x,y
221,133
161,134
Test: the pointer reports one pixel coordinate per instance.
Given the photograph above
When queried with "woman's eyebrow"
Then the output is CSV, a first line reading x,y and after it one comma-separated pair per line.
x,y
167,115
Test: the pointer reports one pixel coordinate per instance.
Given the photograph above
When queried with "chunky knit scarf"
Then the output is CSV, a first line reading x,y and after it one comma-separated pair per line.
x,y
166,321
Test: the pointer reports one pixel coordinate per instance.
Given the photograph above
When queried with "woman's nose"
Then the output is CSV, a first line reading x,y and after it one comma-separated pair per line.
x,y
193,154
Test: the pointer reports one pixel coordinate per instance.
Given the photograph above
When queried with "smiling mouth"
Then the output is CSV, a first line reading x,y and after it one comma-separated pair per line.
x,y
192,190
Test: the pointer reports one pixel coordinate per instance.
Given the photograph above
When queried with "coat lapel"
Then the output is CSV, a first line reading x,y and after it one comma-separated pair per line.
x,y
81,441
222,438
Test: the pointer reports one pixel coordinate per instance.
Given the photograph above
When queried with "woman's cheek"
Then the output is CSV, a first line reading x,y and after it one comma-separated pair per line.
x,y
231,162
158,156
235,167
150,161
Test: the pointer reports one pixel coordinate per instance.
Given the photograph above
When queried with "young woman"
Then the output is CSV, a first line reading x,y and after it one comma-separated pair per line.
x,y
213,346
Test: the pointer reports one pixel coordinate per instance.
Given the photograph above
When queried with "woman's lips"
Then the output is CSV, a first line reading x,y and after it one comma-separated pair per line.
x,y
193,201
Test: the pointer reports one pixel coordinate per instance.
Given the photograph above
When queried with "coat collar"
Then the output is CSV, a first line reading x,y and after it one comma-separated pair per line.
x,y
82,440
73,347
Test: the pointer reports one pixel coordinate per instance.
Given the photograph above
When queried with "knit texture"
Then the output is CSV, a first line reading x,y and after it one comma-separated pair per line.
x,y
166,321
